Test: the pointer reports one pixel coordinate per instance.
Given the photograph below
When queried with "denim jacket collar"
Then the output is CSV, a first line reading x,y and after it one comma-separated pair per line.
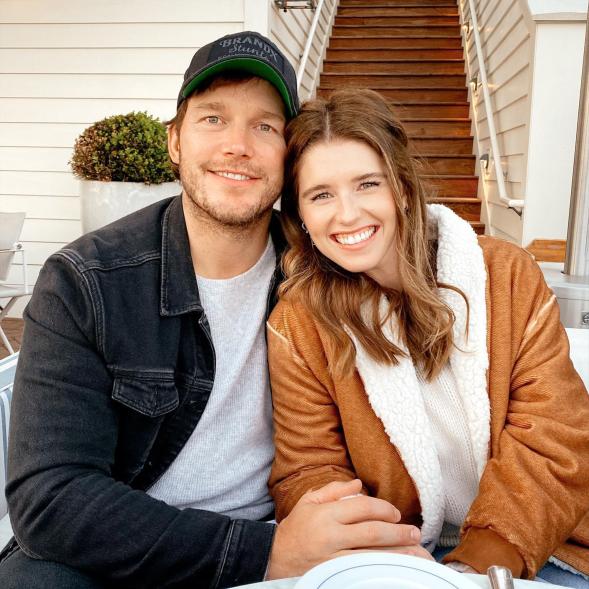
x,y
179,292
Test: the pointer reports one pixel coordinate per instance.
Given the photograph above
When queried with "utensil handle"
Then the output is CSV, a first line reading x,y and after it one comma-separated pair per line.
x,y
500,577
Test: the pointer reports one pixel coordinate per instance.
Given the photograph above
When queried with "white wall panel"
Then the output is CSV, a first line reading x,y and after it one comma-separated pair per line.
x,y
42,207
507,52
70,110
41,134
45,159
290,31
113,11
96,60
65,64
38,183
180,34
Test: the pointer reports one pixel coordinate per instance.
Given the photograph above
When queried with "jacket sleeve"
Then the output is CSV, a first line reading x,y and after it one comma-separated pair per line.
x,y
65,506
310,445
534,490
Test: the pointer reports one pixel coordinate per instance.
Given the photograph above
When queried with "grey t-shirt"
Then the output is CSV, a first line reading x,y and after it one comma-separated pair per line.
x,y
225,464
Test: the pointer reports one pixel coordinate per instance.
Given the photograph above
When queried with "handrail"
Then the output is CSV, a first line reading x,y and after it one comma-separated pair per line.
x,y
511,203
310,38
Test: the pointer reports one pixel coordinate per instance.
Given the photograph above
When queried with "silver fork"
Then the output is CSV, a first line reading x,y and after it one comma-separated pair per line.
x,y
500,577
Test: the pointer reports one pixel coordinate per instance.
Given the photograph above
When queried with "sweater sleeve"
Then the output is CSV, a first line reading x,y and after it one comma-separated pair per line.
x,y
310,445
533,491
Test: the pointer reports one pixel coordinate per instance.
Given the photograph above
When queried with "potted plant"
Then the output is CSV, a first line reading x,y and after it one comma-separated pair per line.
x,y
122,162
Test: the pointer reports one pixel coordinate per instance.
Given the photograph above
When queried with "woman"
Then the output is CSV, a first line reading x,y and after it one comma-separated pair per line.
x,y
427,362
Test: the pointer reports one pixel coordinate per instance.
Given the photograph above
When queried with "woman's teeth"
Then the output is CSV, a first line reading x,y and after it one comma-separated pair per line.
x,y
351,239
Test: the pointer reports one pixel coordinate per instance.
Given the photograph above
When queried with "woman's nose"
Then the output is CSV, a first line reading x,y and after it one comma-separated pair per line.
x,y
348,210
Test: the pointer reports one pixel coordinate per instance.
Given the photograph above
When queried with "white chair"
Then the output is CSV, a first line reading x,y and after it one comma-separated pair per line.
x,y
10,228
7,372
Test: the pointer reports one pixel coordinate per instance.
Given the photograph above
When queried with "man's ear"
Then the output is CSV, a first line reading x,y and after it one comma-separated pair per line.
x,y
174,143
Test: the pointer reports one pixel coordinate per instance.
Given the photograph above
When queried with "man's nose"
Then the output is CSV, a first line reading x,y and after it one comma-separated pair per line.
x,y
237,141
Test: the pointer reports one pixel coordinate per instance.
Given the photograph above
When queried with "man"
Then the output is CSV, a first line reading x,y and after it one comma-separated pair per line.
x,y
141,435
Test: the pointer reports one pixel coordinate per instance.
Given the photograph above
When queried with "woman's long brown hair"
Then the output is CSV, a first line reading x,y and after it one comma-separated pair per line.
x,y
336,297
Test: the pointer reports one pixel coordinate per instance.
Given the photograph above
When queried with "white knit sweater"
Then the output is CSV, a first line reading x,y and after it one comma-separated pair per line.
x,y
441,429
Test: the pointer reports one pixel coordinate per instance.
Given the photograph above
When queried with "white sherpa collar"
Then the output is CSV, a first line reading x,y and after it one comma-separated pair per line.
x,y
394,392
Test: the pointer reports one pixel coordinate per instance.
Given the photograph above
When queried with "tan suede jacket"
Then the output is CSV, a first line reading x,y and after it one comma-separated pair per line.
x,y
533,498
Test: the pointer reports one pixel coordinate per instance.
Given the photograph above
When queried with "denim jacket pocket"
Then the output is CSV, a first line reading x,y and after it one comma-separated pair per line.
x,y
152,396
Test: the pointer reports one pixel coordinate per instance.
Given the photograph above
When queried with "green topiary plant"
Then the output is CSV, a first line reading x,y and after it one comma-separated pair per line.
x,y
123,148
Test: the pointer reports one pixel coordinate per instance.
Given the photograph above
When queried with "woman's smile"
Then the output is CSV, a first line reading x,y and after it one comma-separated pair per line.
x,y
355,238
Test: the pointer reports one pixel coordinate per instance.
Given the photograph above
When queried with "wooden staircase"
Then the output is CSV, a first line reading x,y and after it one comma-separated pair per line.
x,y
411,52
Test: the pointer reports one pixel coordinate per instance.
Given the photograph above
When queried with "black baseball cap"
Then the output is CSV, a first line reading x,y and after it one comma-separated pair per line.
x,y
247,52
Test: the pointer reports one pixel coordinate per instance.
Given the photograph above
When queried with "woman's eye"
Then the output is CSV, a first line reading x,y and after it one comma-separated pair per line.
x,y
370,184
265,127
320,196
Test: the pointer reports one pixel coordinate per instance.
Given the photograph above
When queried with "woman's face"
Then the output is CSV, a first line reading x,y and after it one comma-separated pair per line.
x,y
347,205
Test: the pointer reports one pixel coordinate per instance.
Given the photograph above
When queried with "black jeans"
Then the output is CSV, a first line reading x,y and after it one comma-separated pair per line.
x,y
18,571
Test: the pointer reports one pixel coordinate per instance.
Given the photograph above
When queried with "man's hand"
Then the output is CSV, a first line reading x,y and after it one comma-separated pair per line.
x,y
333,521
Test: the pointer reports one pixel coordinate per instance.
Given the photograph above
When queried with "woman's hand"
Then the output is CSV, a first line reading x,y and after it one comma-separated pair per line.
x,y
321,527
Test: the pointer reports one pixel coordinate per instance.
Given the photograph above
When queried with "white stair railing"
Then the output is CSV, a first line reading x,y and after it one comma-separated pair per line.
x,y
515,204
329,8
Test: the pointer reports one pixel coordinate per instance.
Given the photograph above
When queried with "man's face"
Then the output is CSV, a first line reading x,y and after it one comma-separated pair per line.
x,y
230,150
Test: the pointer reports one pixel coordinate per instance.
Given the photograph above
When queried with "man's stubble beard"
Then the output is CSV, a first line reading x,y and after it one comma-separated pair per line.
x,y
222,216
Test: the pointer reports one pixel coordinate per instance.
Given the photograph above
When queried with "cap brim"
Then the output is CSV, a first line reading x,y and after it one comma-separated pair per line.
x,y
247,64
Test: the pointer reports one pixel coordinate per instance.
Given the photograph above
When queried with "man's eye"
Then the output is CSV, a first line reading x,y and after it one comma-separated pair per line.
x,y
213,120
265,127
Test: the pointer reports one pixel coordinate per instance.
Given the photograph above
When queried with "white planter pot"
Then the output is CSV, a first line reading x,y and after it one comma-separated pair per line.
x,y
105,202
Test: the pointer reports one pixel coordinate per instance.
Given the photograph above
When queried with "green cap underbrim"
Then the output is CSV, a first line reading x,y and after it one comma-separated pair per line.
x,y
247,64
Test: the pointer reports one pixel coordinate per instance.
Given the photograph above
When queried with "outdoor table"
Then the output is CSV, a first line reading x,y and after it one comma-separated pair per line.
x,y
480,580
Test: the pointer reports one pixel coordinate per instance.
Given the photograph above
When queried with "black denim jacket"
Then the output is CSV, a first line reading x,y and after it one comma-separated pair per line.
x,y
115,370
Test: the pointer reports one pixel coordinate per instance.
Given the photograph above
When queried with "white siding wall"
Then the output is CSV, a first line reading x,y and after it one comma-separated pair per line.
x,y
290,30
553,127
65,64
507,48
533,55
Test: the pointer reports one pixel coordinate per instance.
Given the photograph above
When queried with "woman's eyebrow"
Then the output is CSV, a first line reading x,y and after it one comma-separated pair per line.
x,y
314,189
369,175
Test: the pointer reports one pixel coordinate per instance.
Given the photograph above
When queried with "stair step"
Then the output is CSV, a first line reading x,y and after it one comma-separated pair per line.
x,y
391,10
448,164
468,208
429,127
436,66
452,186
393,80
479,228
360,55
393,42
434,95
405,30
441,145
396,20
382,3
438,110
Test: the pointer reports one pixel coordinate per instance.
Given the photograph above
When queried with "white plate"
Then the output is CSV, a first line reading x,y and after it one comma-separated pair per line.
x,y
381,570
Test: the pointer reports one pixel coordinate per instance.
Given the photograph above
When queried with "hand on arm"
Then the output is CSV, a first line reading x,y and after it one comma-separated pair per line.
x,y
335,521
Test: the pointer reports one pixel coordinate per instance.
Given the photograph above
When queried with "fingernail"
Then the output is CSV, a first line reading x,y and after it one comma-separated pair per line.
x,y
415,535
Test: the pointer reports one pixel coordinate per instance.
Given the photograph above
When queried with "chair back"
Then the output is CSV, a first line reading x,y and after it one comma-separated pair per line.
x,y
7,372
10,228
